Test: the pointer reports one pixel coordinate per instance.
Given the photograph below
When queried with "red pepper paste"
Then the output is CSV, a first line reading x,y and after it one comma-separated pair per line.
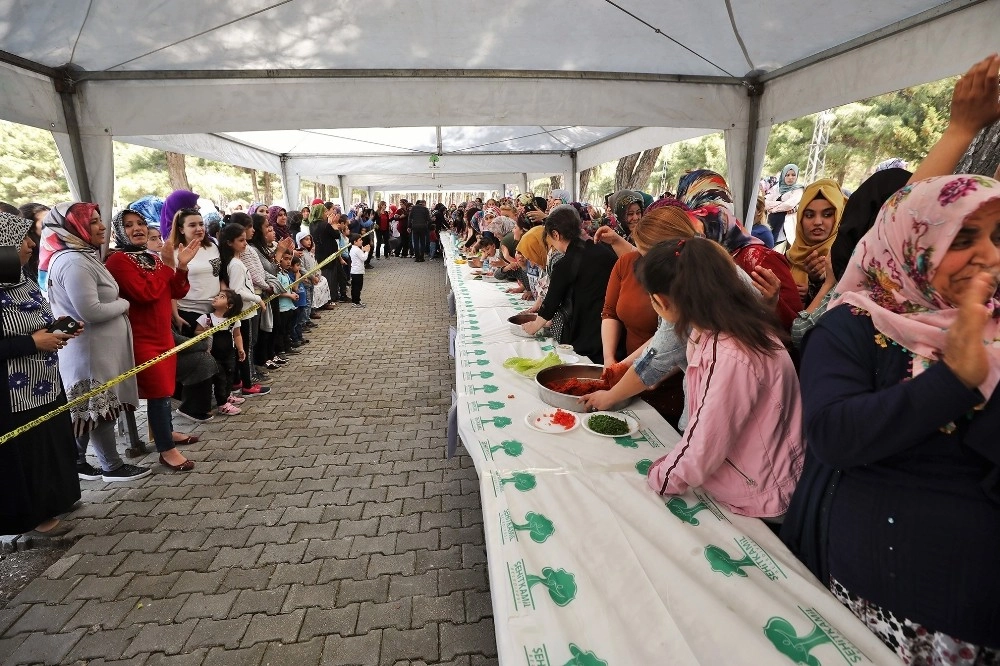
x,y
577,387
564,419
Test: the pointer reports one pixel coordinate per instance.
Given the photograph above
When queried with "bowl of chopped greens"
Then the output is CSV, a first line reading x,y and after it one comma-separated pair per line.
x,y
610,424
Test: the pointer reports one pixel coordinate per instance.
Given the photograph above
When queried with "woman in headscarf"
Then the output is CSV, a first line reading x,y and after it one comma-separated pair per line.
x,y
174,202
277,217
35,212
149,207
816,227
38,478
149,283
707,195
82,288
628,206
899,385
781,203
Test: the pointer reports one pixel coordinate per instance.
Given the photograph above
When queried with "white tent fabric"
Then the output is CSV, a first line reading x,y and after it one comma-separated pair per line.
x,y
307,88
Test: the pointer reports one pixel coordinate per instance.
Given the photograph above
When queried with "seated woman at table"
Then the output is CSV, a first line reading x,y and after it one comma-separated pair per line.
x,y
743,444
899,387
817,222
577,286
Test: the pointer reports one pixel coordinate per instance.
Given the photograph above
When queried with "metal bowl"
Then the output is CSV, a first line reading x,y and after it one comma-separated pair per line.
x,y
517,320
574,371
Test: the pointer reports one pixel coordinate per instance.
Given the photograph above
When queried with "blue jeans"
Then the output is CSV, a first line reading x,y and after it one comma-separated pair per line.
x,y
420,238
433,249
160,423
301,317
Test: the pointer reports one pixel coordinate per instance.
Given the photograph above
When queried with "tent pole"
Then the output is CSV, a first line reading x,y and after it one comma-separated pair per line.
x,y
524,183
574,176
755,90
345,198
67,89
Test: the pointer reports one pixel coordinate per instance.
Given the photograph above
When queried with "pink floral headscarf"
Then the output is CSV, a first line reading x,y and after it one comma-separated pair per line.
x,y
890,272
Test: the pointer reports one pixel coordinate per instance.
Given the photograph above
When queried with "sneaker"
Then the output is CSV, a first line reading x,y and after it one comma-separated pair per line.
x,y
126,473
229,409
282,358
236,400
273,365
204,418
293,350
357,305
257,389
87,472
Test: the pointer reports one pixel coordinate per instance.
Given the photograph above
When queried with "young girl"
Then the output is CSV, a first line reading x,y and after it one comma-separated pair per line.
x,y
155,242
743,443
301,313
286,306
232,271
359,253
227,303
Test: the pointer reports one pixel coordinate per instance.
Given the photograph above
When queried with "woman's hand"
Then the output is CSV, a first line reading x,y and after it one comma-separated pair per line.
x,y
179,322
532,327
49,342
829,278
598,401
964,350
287,244
803,290
614,372
167,254
535,216
975,102
608,236
816,265
768,284
241,355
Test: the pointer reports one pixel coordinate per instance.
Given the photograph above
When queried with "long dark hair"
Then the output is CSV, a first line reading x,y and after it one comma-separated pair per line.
x,y
258,235
229,233
701,281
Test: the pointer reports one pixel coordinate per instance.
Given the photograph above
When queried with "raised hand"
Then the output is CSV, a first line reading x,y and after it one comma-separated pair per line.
x,y
975,103
816,266
167,254
768,284
964,350
185,253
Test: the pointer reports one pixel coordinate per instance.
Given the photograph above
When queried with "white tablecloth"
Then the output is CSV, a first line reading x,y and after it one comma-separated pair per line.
x,y
589,566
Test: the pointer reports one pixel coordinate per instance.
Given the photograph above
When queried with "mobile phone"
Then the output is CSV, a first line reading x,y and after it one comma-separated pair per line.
x,y
66,325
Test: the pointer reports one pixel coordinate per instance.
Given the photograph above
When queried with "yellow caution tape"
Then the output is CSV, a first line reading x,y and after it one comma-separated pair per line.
x,y
167,354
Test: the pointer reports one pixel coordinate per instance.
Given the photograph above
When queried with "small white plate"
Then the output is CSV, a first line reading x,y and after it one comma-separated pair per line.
x,y
633,425
567,358
541,420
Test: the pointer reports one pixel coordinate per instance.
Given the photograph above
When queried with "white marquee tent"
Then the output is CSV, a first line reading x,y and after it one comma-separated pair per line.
x,y
361,93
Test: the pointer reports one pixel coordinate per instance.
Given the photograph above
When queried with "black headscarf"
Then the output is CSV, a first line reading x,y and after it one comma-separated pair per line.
x,y
860,211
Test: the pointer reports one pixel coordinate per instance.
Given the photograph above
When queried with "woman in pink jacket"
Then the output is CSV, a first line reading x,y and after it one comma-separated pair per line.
x,y
743,444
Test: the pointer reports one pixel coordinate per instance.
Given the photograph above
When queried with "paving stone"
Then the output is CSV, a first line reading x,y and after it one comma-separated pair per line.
x,y
44,648
166,638
236,557
97,644
151,586
334,569
411,644
404,563
265,628
200,605
271,534
352,650
246,579
161,611
298,654
311,596
105,615
191,560
95,587
195,658
146,563
383,544
252,656
288,552
450,558
287,574
364,590
259,601
463,579
434,609
467,638
147,542
198,581
429,540
209,633
326,621
424,584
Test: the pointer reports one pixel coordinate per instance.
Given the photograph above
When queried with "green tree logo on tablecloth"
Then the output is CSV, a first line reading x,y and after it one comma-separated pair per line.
x,y
475,352
523,481
560,583
722,563
538,527
488,388
679,508
643,466
500,422
492,404
485,374
581,658
630,442
786,640
511,447
480,361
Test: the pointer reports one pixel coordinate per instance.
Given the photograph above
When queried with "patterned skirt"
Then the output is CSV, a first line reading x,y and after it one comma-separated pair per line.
x,y
911,642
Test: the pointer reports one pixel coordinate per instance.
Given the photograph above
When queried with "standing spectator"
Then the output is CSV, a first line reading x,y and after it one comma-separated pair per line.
x,y
37,478
403,227
358,253
326,240
203,271
420,224
781,204
383,231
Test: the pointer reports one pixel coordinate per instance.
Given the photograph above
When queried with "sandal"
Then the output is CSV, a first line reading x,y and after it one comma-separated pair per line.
x,y
185,466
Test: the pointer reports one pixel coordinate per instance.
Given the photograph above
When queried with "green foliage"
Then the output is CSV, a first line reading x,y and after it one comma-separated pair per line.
x,y
30,169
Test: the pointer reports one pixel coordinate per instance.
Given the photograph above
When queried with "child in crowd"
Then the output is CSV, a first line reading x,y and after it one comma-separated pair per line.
x,y
747,453
359,252
367,224
301,316
433,245
287,300
227,348
155,242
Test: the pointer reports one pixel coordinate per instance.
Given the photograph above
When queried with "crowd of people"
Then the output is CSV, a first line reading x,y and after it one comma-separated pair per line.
x,y
832,369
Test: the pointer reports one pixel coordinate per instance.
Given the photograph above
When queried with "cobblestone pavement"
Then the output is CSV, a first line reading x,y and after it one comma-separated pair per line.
x,y
321,526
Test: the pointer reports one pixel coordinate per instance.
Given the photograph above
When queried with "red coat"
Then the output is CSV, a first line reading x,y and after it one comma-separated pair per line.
x,y
789,301
149,291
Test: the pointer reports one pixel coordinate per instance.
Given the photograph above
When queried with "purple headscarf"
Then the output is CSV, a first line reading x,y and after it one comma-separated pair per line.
x,y
178,199
280,232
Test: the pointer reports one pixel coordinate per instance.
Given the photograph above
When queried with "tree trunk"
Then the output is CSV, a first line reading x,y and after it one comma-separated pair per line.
x,y
268,190
633,171
177,171
322,192
983,156
255,187
555,182
585,182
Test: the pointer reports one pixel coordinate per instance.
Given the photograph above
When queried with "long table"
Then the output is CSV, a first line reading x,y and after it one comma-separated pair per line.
x,y
587,565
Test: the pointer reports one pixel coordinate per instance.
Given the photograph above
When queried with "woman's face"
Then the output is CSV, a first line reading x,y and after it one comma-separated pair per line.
x,y
239,244
282,218
791,177
248,230
554,239
305,213
153,240
817,220
24,252
632,214
268,233
261,210
193,229
136,229
974,250
39,218
98,231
